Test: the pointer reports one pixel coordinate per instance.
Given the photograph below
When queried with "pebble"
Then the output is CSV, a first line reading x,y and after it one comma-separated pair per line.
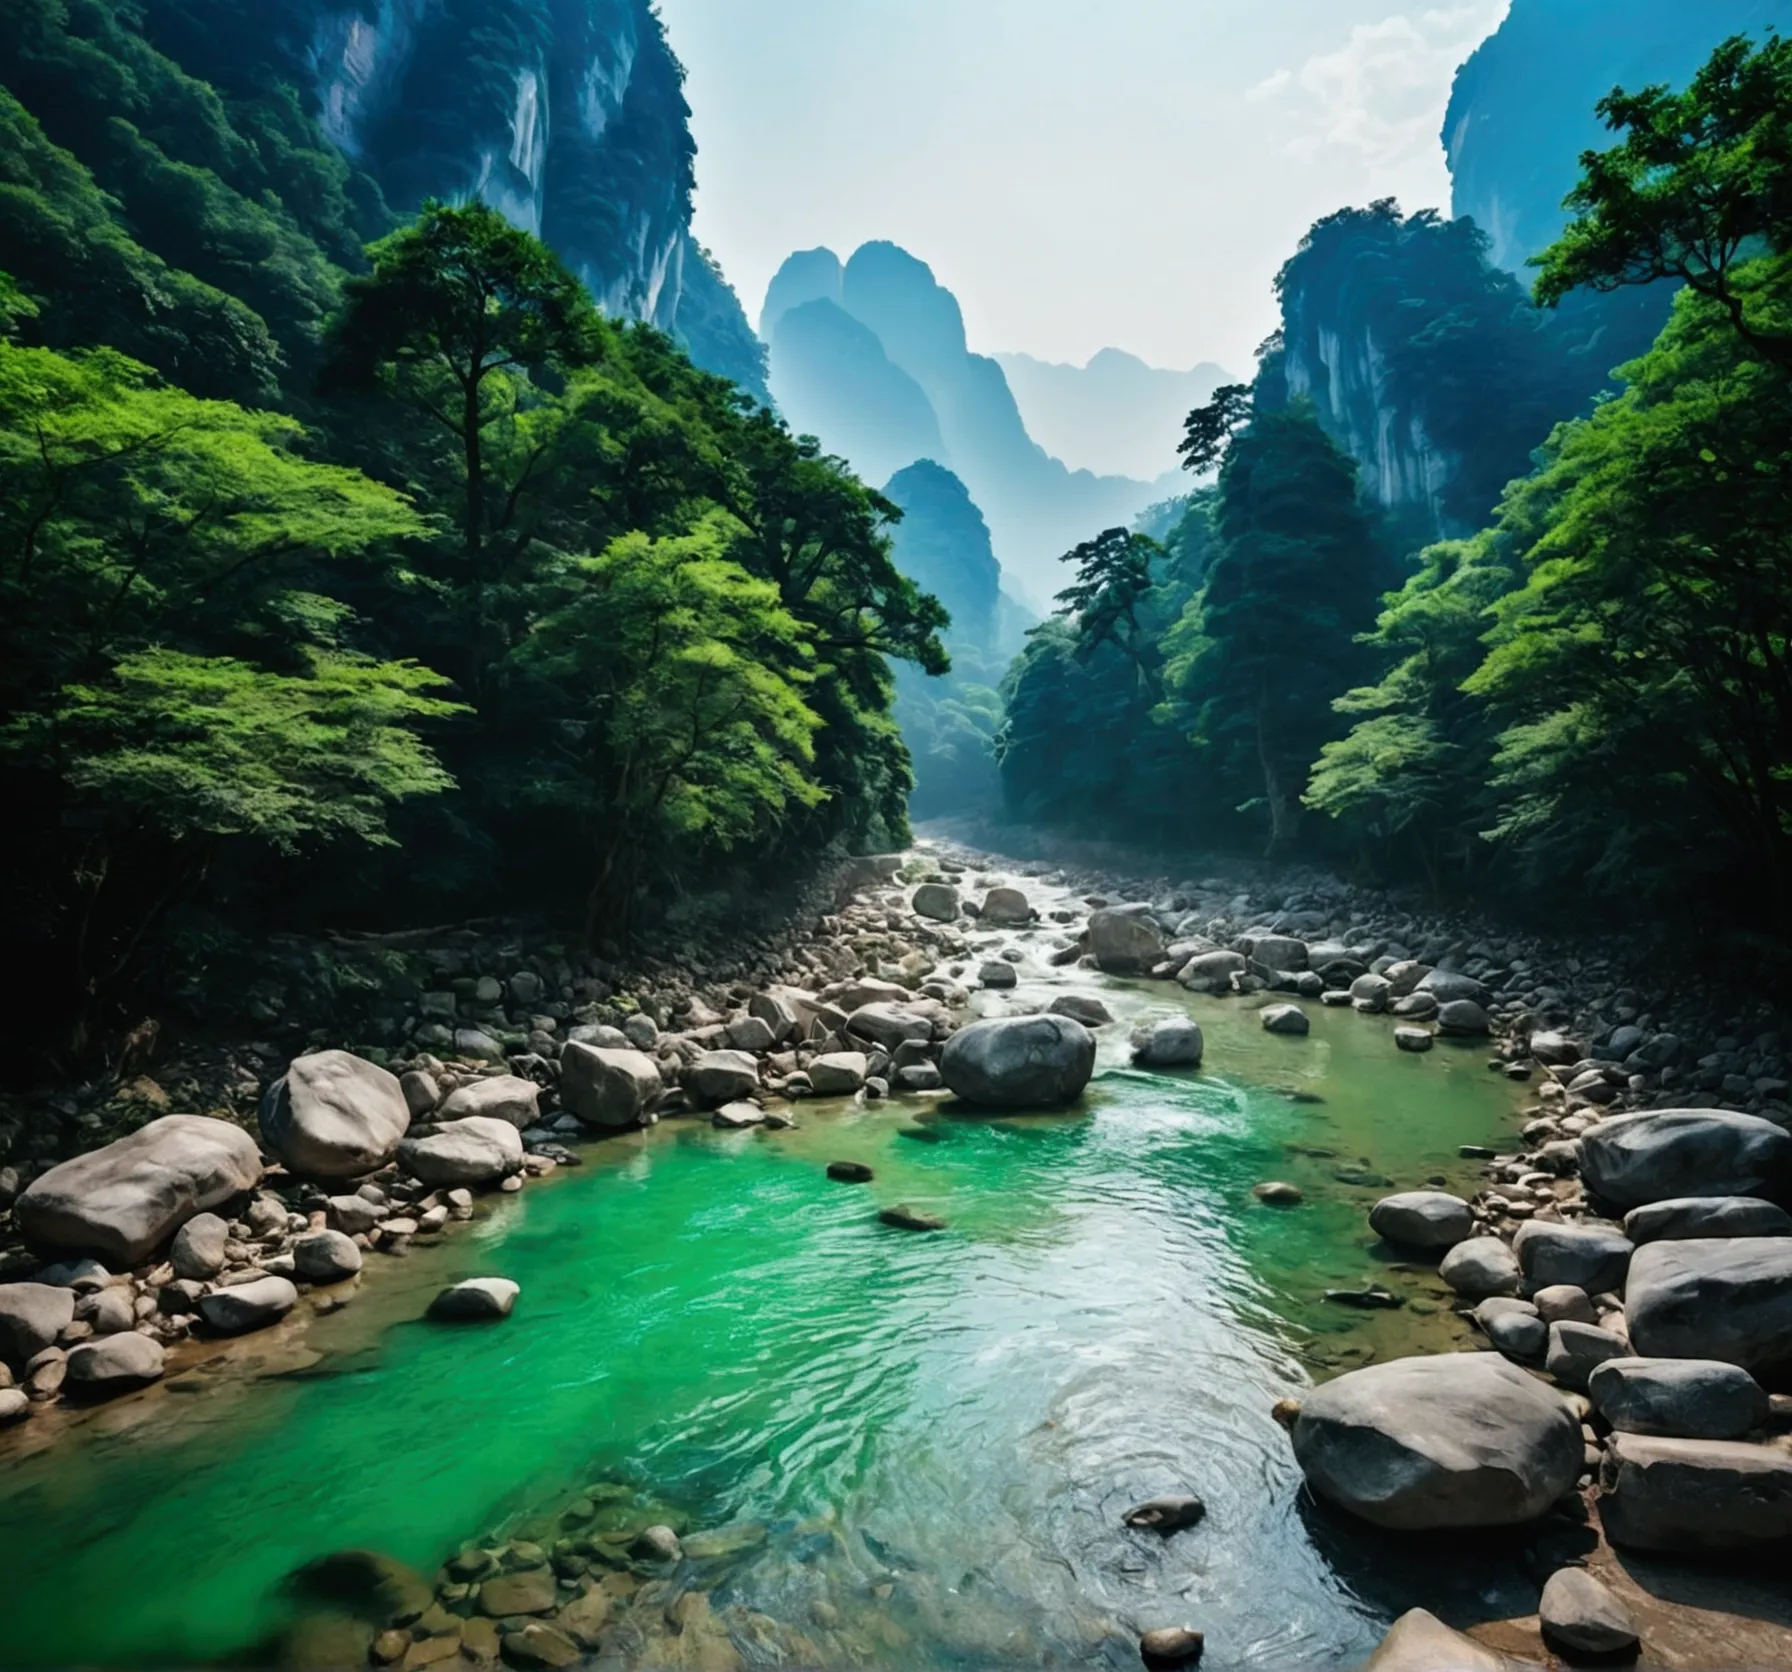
x,y
1171,1646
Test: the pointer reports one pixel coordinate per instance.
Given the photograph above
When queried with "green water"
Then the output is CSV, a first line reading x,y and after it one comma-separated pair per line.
x,y
959,1417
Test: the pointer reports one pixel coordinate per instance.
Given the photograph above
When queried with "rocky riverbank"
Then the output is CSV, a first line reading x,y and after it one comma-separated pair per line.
x,y
492,1061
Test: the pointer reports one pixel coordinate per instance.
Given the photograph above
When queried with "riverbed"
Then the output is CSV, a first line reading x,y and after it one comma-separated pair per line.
x,y
919,1446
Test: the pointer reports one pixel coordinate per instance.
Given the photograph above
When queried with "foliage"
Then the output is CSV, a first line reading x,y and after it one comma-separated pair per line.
x,y
1113,580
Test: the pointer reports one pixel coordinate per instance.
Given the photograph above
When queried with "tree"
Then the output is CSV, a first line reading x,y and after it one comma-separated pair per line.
x,y
1209,429
1268,643
1699,186
1113,577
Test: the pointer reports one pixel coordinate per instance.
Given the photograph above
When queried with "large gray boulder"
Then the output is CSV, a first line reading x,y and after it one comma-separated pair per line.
x,y
1280,952
1447,986
1461,1440
1431,1219
1285,1019
888,1025
1698,1496
32,1315
1421,1642
1684,1218
498,1097
1727,1298
477,1150
115,1363
937,900
1650,1157
247,1306
839,1073
1019,1062
1586,1256
326,1257
1174,1042
1006,908
333,1115
1481,1267
609,1088
124,1201
1576,1350
476,1300
1686,1399
719,1077
1124,942
1212,972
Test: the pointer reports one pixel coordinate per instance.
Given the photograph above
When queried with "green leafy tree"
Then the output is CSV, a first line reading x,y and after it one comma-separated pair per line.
x,y
1209,429
1697,189
1113,580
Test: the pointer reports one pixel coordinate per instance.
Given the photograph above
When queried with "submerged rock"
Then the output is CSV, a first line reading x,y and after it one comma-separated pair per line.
x,y
1081,1007
334,1115
475,1300
1462,1440
125,1200
905,1218
1166,1515
1285,1018
1019,1062
849,1172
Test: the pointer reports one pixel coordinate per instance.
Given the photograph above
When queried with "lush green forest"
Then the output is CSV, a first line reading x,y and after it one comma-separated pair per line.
x,y
359,569
1587,701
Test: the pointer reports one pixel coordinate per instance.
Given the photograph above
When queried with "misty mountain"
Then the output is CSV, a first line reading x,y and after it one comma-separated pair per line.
x,y
1116,414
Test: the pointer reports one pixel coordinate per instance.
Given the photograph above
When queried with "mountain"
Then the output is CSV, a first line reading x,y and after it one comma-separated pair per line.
x,y
1521,111
569,116
1037,508
942,544
1116,414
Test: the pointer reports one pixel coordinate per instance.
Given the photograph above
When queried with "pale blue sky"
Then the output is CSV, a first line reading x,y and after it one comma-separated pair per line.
x,y
1081,172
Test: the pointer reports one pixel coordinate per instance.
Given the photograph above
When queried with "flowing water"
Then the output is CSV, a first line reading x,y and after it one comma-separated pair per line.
x,y
922,1444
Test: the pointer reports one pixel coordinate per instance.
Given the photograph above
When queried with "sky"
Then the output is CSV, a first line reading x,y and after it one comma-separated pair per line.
x,y
1081,173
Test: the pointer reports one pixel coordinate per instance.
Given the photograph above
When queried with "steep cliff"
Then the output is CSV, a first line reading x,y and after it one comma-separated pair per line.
x,y
1116,414
1430,366
1521,111
942,545
569,116
1036,507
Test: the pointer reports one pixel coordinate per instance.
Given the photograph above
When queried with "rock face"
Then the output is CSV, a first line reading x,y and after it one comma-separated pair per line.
x,y
1585,1256
124,1201
1423,1219
1686,1399
497,1097
1019,1062
609,1088
1631,1160
248,1306
333,1115
1580,1615
1421,1642
1463,1440
1727,1298
1124,942
1175,1042
115,1363
475,1300
472,1151
32,1315
1699,1496
1683,1218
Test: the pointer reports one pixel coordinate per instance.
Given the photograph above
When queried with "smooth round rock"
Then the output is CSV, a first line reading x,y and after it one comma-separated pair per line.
x,y
1659,1155
1285,1019
248,1306
198,1250
334,1115
1580,1616
1413,1039
1726,1298
115,1363
477,1150
1081,1007
850,1172
1480,1267
1174,1042
1591,1257
476,1300
1166,1515
1278,1193
32,1316
326,1257
1420,1642
609,1087
1686,1399
1019,1062
1687,1218
1426,1219
1171,1646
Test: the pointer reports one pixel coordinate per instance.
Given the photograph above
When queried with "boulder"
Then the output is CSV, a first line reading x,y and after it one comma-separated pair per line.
x,y
326,1257
124,1201
1576,1350
1586,1256
938,901
1421,1642
471,1151
738,1116
1081,1007
609,1088
748,1033
719,1077
1174,1042
1461,1440
839,1073
1697,1496
1564,1303
867,989
334,1116
776,1012
1285,1018
1006,908
1019,1062
15,1406
476,1300
1727,1298
421,1093
1369,994
1513,1327
1685,1218
1581,1617
1556,1048
1463,1018
199,1249
1280,952
998,974
1125,942
850,1172
1413,1039
1481,1267
1431,1219
498,1097
888,1025
115,1363
1631,1160
1166,1647
1685,1399
32,1315
247,1306
1447,986
1212,972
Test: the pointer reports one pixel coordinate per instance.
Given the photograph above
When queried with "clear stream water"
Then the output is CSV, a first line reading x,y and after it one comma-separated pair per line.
x,y
937,1433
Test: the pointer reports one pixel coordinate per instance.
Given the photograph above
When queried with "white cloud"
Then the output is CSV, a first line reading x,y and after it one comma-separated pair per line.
x,y
1382,94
